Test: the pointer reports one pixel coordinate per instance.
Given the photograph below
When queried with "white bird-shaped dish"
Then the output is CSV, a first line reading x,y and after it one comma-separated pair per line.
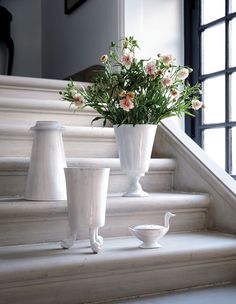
x,y
151,234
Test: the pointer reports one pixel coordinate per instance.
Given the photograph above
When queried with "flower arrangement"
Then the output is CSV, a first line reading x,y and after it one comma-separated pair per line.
x,y
132,91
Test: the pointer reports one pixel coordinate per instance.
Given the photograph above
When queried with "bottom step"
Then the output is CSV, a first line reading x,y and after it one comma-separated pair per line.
x,y
46,274
211,295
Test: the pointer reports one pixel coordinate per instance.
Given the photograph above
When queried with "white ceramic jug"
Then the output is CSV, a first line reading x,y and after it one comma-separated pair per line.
x,y
46,177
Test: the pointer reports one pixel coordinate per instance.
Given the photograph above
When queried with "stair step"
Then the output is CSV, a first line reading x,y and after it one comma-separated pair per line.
x,y
211,294
24,222
16,141
25,100
46,273
13,173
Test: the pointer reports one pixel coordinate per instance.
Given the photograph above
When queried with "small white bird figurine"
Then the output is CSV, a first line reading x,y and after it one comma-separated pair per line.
x,y
151,234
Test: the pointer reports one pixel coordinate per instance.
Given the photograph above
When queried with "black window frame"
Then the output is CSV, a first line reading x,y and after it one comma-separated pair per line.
x,y
193,29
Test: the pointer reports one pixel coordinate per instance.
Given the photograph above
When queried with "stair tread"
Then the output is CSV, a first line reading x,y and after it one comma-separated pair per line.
x,y
20,208
49,261
69,131
205,295
22,163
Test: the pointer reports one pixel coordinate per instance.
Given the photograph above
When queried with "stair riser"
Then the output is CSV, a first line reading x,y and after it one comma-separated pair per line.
x,y
14,185
46,229
124,283
185,220
74,147
29,117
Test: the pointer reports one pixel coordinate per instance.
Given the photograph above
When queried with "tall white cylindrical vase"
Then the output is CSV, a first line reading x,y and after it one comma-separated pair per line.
x,y
86,199
135,147
46,177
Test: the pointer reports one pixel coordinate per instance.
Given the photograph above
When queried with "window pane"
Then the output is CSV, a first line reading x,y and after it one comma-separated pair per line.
x,y
214,100
212,10
233,151
213,49
214,145
233,97
232,6
232,44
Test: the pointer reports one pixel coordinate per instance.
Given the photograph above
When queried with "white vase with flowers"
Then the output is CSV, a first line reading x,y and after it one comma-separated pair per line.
x,y
133,94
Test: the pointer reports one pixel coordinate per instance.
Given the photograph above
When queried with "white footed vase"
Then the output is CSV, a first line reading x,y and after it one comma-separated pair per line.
x,y
46,178
86,199
135,147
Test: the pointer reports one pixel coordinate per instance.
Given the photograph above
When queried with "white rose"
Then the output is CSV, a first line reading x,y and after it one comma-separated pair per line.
x,y
74,93
167,59
183,73
197,104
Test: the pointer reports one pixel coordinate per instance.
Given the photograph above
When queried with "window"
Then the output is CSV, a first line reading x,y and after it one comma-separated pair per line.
x,y
210,49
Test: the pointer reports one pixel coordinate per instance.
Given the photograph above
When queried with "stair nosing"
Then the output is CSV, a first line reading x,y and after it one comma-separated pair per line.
x,y
20,209
16,130
14,164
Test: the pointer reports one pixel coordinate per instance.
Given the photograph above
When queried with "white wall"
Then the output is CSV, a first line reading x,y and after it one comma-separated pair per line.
x,y
51,44
76,41
158,25
26,34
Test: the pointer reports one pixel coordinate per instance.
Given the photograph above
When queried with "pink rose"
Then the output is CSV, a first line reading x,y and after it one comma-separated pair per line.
x,y
167,59
197,104
150,68
183,73
126,104
127,59
78,100
174,93
166,82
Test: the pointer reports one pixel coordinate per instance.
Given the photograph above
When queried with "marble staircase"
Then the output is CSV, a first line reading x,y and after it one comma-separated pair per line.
x,y
34,268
